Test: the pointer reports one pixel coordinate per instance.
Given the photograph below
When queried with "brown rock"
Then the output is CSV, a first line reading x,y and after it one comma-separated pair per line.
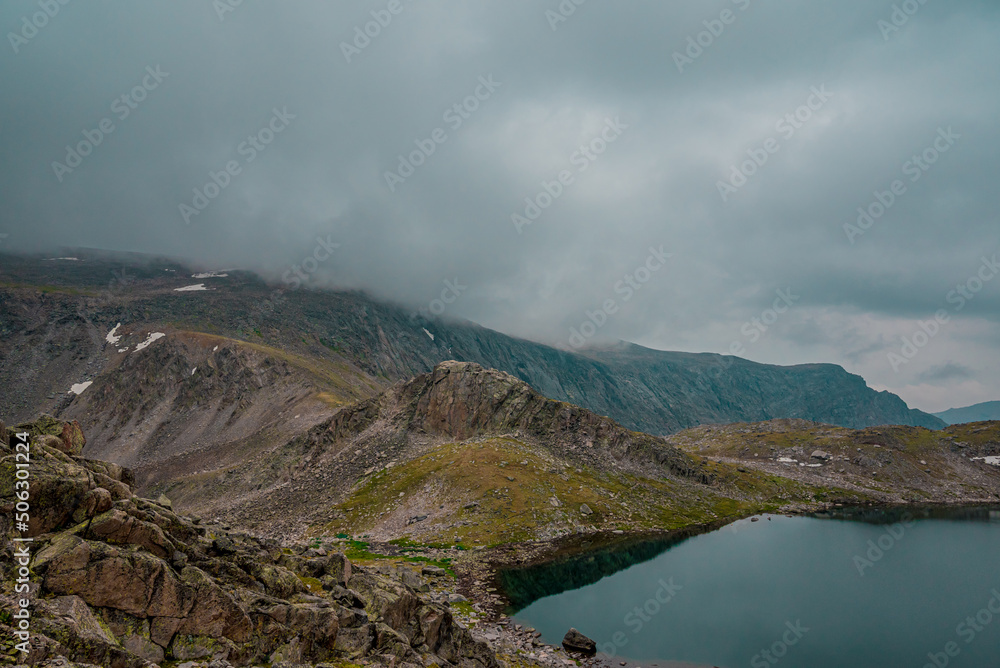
x,y
95,502
116,526
214,612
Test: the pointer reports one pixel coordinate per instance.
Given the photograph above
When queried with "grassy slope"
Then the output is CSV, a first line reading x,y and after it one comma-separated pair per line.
x,y
513,484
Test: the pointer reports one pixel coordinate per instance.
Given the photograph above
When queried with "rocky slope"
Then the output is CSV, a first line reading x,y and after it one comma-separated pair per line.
x,y
960,463
122,581
56,315
471,454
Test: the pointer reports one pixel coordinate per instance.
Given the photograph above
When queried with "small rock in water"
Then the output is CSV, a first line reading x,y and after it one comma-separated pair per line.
x,y
574,641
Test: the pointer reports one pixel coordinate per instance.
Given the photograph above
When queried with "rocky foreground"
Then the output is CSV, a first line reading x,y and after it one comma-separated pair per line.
x,y
122,581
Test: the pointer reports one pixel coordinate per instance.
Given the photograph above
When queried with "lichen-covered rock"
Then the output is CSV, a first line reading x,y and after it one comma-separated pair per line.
x,y
69,434
94,502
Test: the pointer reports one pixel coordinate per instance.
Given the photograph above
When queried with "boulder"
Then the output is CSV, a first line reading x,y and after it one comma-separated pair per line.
x,y
574,641
69,434
338,567
118,527
94,502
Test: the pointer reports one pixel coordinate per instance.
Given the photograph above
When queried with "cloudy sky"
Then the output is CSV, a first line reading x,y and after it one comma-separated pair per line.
x,y
739,137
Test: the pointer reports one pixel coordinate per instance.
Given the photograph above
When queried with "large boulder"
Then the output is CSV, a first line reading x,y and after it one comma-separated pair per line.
x,y
574,641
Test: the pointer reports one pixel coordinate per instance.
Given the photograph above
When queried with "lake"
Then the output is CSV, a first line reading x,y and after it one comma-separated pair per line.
x,y
860,588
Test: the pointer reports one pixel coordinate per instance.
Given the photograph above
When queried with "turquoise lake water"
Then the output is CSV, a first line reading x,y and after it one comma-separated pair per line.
x,y
800,591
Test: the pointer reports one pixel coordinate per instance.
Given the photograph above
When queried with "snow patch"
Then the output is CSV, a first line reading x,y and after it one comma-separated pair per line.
x,y
149,340
111,337
992,460
209,274
191,288
786,460
215,348
72,259
193,370
428,333
80,387
123,350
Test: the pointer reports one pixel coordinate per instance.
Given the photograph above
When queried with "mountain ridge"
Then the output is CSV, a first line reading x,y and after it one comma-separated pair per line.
x,y
70,306
981,412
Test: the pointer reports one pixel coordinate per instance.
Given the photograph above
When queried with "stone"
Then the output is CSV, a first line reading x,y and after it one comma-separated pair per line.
x,y
338,567
409,578
164,501
224,545
94,502
574,641
74,610
116,526
585,509
144,648
68,434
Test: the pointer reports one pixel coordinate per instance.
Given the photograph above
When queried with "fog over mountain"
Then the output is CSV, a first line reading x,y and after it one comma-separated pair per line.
x,y
686,176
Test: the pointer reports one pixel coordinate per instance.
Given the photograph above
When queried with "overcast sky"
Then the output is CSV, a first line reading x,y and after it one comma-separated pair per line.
x,y
643,125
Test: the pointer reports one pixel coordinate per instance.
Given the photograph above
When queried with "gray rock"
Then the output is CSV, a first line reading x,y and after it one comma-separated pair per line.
x,y
574,641
585,509
224,545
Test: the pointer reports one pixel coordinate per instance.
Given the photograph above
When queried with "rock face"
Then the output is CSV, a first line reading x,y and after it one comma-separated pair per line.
x,y
119,580
574,641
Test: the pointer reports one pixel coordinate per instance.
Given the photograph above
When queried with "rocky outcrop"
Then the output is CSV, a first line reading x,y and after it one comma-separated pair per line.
x,y
122,581
59,434
461,400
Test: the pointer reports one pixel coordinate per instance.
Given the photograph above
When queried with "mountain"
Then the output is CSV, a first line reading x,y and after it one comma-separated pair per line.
x,y
989,410
56,316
